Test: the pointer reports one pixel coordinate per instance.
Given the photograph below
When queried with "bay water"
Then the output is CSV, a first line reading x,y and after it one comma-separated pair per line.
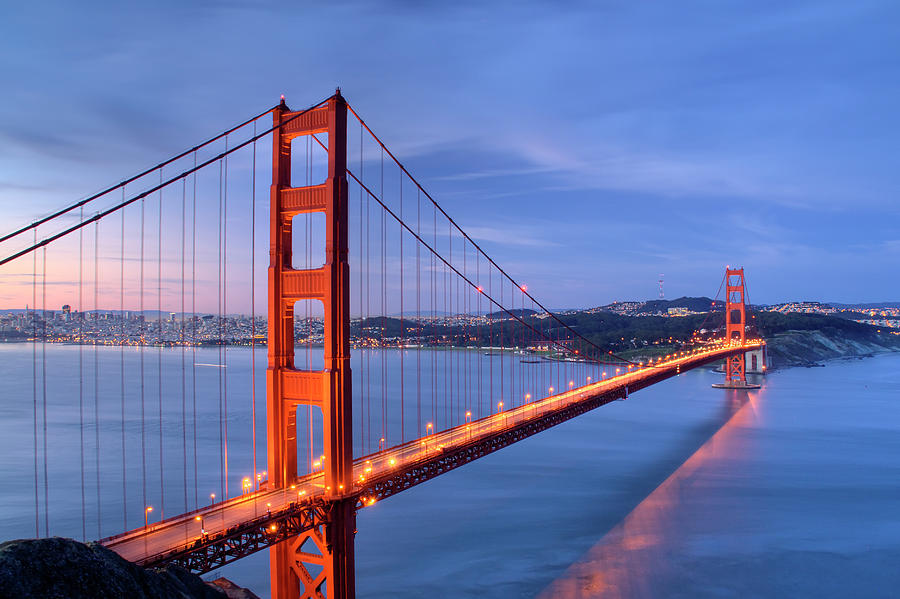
x,y
792,490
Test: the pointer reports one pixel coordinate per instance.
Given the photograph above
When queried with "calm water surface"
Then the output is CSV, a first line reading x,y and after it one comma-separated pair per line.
x,y
680,491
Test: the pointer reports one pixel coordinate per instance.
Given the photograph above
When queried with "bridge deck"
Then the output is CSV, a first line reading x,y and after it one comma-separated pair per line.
x,y
245,524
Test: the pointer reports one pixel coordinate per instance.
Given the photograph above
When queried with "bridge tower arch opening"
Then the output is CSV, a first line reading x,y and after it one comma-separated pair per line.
x,y
321,561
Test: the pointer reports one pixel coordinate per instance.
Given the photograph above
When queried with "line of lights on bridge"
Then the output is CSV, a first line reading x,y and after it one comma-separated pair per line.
x,y
247,482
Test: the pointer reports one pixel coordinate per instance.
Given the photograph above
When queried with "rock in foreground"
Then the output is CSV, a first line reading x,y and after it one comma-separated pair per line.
x,y
58,568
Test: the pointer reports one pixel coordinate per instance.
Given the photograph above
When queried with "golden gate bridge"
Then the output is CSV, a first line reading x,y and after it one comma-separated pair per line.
x,y
452,358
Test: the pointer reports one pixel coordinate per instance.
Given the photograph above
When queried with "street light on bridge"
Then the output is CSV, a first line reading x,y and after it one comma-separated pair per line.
x,y
147,511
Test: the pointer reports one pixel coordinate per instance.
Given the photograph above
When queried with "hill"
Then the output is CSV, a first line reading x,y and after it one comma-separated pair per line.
x,y
694,304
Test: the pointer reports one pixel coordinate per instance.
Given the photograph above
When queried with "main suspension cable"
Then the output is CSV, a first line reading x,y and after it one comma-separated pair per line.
x,y
132,179
478,247
444,260
154,189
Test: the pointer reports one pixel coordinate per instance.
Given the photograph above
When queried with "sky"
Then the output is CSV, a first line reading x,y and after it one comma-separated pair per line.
x,y
589,147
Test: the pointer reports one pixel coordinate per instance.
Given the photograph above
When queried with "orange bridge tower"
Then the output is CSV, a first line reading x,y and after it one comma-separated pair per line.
x,y
735,330
320,561
735,323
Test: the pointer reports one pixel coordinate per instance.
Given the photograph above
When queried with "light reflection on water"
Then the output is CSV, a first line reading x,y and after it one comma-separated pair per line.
x,y
620,565
797,495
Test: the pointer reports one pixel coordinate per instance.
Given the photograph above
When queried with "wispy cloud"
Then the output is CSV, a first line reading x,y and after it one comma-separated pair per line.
x,y
496,173
892,246
515,235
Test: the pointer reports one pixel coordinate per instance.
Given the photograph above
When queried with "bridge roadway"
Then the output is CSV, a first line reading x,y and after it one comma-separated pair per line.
x,y
242,525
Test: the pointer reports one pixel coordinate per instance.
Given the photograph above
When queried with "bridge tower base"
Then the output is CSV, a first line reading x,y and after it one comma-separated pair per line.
x,y
318,563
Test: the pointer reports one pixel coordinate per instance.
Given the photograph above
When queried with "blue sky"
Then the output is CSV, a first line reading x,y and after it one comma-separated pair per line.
x,y
589,148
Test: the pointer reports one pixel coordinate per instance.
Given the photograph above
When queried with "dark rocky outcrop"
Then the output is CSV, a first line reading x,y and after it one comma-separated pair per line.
x,y
58,568
232,590
811,347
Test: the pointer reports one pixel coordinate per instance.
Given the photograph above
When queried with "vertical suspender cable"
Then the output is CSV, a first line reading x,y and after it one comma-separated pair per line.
x,y
34,393
465,301
224,346
181,342
97,373
253,304
490,310
532,380
455,390
44,387
362,320
141,358
479,359
368,367
523,371
220,342
383,317
159,347
465,355
400,231
81,368
451,319
308,245
418,316
512,352
194,332
122,367
462,358
500,328
448,397
433,322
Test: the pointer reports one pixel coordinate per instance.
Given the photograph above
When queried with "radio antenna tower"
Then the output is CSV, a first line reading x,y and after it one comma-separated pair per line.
x,y
662,295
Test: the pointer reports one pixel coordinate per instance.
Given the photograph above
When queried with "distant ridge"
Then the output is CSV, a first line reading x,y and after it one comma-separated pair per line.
x,y
520,312
866,306
694,304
